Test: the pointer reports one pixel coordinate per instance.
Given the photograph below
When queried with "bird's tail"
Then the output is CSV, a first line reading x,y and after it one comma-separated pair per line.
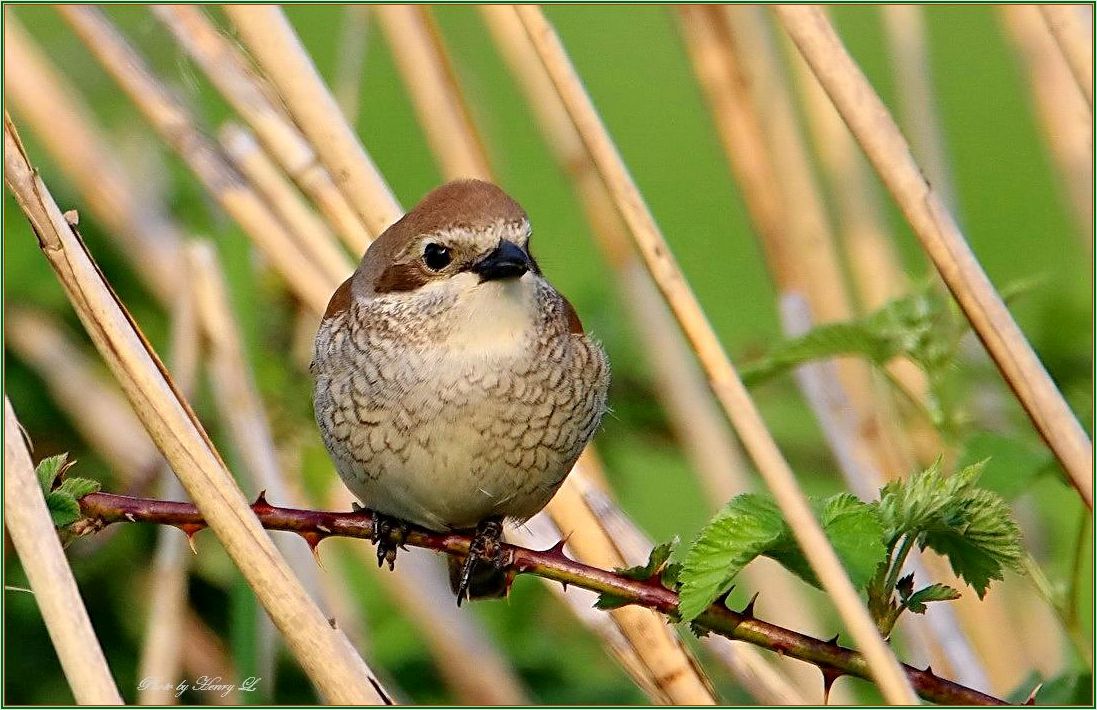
x,y
487,582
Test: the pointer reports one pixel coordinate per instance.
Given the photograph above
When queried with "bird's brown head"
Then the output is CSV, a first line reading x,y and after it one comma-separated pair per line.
x,y
465,226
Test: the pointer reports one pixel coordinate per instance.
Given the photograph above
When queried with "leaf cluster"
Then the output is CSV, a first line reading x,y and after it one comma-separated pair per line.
x,y
949,514
62,493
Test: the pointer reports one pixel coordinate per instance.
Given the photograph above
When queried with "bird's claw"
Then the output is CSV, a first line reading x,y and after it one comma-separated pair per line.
x,y
486,546
388,534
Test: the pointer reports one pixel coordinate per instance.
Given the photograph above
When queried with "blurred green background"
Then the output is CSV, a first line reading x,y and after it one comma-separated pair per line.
x,y
634,65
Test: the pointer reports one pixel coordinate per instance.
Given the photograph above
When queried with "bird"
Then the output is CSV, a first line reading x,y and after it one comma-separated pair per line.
x,y
454,386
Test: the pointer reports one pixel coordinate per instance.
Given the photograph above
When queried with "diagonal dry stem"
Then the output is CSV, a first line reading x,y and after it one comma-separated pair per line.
x,y
308,230
222,61
431,82
1066,120
723,378
1075,41
52,107
323,652
32,533
658,661
889,153
274,45
179,129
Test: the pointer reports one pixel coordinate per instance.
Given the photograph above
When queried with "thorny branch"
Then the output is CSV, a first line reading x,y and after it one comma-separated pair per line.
x,y
102,509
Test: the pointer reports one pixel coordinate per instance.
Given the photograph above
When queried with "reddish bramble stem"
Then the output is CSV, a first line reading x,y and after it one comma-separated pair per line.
x,y
314,526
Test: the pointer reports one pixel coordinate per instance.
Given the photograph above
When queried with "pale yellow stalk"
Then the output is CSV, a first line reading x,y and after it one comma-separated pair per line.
x,y
32,533
722,376
323,652
1075,39
179,129
222,61
274,45
942,239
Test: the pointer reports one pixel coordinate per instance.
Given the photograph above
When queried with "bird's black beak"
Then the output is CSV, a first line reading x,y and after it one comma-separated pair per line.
x,y
508,260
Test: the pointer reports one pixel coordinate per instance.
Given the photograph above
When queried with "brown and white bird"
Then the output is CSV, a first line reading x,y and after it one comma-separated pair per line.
x,y
454,385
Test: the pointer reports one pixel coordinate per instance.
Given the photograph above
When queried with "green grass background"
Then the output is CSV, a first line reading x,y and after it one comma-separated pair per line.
x,y
634,66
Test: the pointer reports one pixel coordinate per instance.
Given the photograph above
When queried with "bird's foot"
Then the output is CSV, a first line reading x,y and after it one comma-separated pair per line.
x,y
388,534
486,547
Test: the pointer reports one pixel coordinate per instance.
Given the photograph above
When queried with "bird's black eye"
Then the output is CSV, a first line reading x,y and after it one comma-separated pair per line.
x,y
436,257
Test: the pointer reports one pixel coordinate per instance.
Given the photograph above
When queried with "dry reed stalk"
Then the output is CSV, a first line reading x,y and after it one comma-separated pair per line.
x,y
1076,43
430,80
350,61
738,67
439,104
239,405
878,135
35,539
96,410
725,381
232,75
905,30
309,230
625,541
323,652
539,532
1066,121
179,129
206,656
66,127
667,666
274,45
161,652
681,386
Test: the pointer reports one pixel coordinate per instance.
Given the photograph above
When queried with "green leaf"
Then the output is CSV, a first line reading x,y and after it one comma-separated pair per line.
x,y
48,470
924,499
980,539
824,341
77,488
607,601
933,593
749,525
657,565
657,561
63,509
854,531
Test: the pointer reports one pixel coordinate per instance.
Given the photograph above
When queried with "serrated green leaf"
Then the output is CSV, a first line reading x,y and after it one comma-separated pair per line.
x,y
657,560
854,531
980,539
824,341
752,525
933,593
744,529
853,528
77,488
608,601
64,510
48,469
923,500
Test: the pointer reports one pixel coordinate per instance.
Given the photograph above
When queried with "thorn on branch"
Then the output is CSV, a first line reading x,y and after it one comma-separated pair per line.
x,y
261,502
748,610
829,676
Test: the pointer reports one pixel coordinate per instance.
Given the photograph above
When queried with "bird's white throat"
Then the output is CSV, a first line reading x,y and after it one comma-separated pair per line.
x,y
492,316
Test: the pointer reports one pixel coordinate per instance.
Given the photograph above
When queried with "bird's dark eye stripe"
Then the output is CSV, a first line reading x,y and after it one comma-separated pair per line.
x,y
436,257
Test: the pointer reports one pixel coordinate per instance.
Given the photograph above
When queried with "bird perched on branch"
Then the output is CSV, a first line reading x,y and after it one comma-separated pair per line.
x,y
455,387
